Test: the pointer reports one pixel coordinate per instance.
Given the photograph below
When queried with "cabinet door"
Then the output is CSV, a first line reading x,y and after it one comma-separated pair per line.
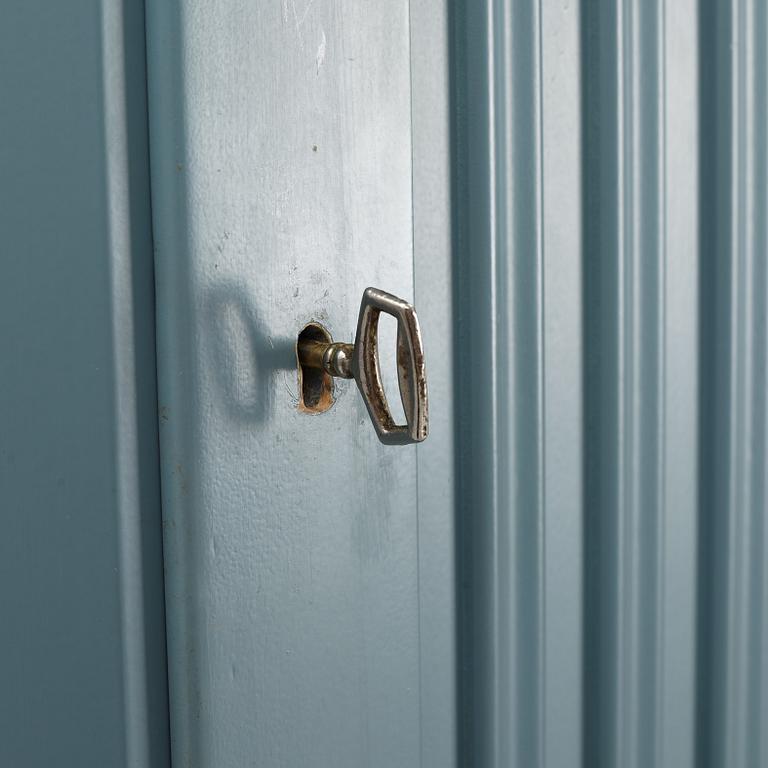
x,y
82,632
281,146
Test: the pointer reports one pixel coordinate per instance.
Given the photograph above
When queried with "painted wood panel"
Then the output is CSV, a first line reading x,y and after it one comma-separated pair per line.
x,y
611,467
281,169
82,635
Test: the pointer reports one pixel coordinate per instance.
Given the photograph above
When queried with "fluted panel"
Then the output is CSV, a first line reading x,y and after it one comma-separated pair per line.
x,y
501,624
732,635
640,309
517,242
611,229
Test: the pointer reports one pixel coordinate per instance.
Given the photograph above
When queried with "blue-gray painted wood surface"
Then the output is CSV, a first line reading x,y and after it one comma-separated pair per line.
x,y
641,382
732,629
281,176
517,211
641,638
82,651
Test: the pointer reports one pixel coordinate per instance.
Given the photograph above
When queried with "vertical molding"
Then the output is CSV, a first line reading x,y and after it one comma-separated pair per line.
x,y
732,636
639,253
137,482
674,190
518,299
757,733
165,24
622,392
500,595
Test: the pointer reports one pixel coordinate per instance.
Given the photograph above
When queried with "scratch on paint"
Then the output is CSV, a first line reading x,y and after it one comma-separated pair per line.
x,y
306,11
320,58
297,22
294,397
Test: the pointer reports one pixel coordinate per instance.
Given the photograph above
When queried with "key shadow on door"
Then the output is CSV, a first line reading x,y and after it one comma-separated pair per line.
x,y
246,358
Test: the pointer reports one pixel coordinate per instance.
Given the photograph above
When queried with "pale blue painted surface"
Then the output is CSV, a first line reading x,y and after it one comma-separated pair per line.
x,y
587,250
82,651
433,292
300,631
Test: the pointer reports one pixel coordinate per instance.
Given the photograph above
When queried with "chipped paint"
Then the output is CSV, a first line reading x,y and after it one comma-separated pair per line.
x,y
320,57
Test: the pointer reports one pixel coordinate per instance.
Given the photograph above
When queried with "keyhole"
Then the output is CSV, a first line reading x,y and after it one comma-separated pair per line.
x,y
315,385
